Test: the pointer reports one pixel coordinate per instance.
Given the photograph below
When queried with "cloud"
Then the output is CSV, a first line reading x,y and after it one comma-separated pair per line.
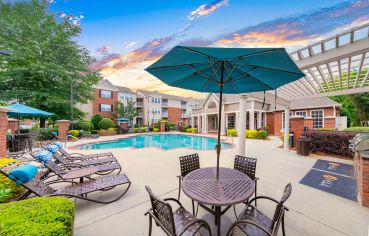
x,y
298,30
103,50
206,9
128,45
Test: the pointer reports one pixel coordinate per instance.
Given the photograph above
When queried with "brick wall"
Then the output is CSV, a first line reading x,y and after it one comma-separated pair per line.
x,y
277,123
174,114
3,128
365,182
63,128
13,125
297,127
330,122
98,100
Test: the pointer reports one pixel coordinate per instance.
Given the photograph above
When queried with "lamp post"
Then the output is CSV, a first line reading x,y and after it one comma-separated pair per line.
x,y
71,104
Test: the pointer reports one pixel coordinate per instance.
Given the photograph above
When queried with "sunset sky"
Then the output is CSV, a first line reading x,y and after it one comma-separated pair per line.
x,y
125,37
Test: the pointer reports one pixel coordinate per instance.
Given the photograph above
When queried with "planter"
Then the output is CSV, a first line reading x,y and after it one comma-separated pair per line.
x,y
106,133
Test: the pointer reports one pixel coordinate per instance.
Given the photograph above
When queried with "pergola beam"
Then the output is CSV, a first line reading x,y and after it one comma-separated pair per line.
x,y
359,69
336,93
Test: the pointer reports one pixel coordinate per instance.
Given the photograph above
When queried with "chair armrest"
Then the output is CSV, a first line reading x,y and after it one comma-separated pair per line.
x,y
235,224
180,177
202,223
173,200
59,181
75,154
267,198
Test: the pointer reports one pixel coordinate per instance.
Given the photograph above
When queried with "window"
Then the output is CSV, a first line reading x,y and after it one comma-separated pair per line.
x,y
283,118
300,113
155,111
231,122
318,118
106,94
213,122
106,107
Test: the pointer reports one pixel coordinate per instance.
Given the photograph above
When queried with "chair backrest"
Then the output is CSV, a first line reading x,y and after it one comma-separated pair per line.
x,y
64,153
61,159
35,185
163,212
189,163
246,165
279,210
51,165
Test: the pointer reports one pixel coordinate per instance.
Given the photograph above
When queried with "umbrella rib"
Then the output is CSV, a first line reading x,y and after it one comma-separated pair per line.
x,y
189,64
188,76
252,78
273,69
195,51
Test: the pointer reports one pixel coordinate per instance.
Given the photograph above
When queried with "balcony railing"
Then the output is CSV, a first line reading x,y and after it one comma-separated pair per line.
x,y
139,104
164,114
164,104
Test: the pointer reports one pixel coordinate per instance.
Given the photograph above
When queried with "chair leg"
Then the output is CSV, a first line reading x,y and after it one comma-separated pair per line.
x,y
150,225
283,229
234,209
193,207
256,188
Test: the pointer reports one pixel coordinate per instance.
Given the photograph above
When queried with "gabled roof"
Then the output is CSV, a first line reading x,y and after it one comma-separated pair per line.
x,y
314,103
124,89
106,84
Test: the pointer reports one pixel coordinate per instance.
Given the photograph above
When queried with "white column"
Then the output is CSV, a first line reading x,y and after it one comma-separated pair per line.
x,y
286,128
260,121
241,127
222,125
192,121
236,120
204,121
252,115
198,124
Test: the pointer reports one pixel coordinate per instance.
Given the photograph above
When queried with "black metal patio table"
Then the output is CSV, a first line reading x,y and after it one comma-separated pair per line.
x,y
231,188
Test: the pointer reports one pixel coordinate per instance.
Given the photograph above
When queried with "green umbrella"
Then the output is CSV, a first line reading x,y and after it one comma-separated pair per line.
x,y
225,70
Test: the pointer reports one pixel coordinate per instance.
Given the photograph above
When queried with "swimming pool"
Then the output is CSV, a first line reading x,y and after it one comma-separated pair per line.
x,y
162,141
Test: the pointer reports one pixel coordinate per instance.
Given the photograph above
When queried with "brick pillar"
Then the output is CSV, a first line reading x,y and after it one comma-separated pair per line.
x,y
297,127
3,129
162,126
63,128
330,122
124,125
179,125
13,125
364,181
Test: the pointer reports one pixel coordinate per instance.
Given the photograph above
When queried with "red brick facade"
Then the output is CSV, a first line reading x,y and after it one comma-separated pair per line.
x,y
174,114
365,182
297,127
99,100
13,125
63,128
3,128
274,119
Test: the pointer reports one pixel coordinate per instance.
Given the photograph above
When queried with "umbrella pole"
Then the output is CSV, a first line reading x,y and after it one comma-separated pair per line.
x,y
218,147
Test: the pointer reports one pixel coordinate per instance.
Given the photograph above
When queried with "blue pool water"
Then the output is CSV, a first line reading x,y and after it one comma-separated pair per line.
x,y
163,141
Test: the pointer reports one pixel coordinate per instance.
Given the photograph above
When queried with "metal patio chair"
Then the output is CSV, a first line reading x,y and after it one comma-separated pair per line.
x,y
77,190
253,222
188,164
174,223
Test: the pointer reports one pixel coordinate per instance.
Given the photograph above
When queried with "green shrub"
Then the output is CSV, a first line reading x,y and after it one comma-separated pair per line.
x,y
232,132
262,134
282,137
74,133
38,216
84,125
94,132
188,130
6,183
184,128
326,129
45,133
95,120
135,130
143,129
54,127
106,123
247,133
112,129
253,134
156,130
362,129
194,130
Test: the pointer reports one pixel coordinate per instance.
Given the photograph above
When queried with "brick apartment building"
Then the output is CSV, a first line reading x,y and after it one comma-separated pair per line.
x,y
151,105
316,112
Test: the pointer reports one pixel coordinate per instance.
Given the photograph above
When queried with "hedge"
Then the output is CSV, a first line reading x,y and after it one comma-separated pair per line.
x,y
84,125
74,133
156,130
336,143
106,123
252,134
232,132
6,183
37,216
357,129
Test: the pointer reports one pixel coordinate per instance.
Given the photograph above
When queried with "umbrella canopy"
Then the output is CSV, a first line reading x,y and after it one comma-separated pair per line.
x,y
226,70
20,110
121,119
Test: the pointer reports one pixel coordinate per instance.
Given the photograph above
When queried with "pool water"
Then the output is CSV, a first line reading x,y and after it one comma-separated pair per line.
x,y
163,141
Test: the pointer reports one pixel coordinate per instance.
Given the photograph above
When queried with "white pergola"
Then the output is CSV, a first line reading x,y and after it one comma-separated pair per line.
x,y
337,65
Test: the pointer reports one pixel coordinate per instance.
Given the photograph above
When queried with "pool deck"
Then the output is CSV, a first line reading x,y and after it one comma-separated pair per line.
x,y
313,212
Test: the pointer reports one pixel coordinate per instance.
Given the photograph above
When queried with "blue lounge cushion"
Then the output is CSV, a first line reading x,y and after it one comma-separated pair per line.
x,y
23,173
43,156
52,148
58,144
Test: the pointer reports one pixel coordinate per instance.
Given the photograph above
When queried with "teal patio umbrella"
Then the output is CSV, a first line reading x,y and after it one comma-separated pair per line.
x,y
225,70
20,110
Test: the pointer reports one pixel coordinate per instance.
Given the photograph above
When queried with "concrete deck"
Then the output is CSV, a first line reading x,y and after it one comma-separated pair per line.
x,y
313,212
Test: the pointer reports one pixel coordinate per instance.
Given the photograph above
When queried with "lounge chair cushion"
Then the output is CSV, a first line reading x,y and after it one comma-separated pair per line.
x,y
43,156
52,148
59,144
23,173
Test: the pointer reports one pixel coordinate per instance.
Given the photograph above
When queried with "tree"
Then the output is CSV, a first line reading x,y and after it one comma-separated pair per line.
x,y
46,59
95,120
128,111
